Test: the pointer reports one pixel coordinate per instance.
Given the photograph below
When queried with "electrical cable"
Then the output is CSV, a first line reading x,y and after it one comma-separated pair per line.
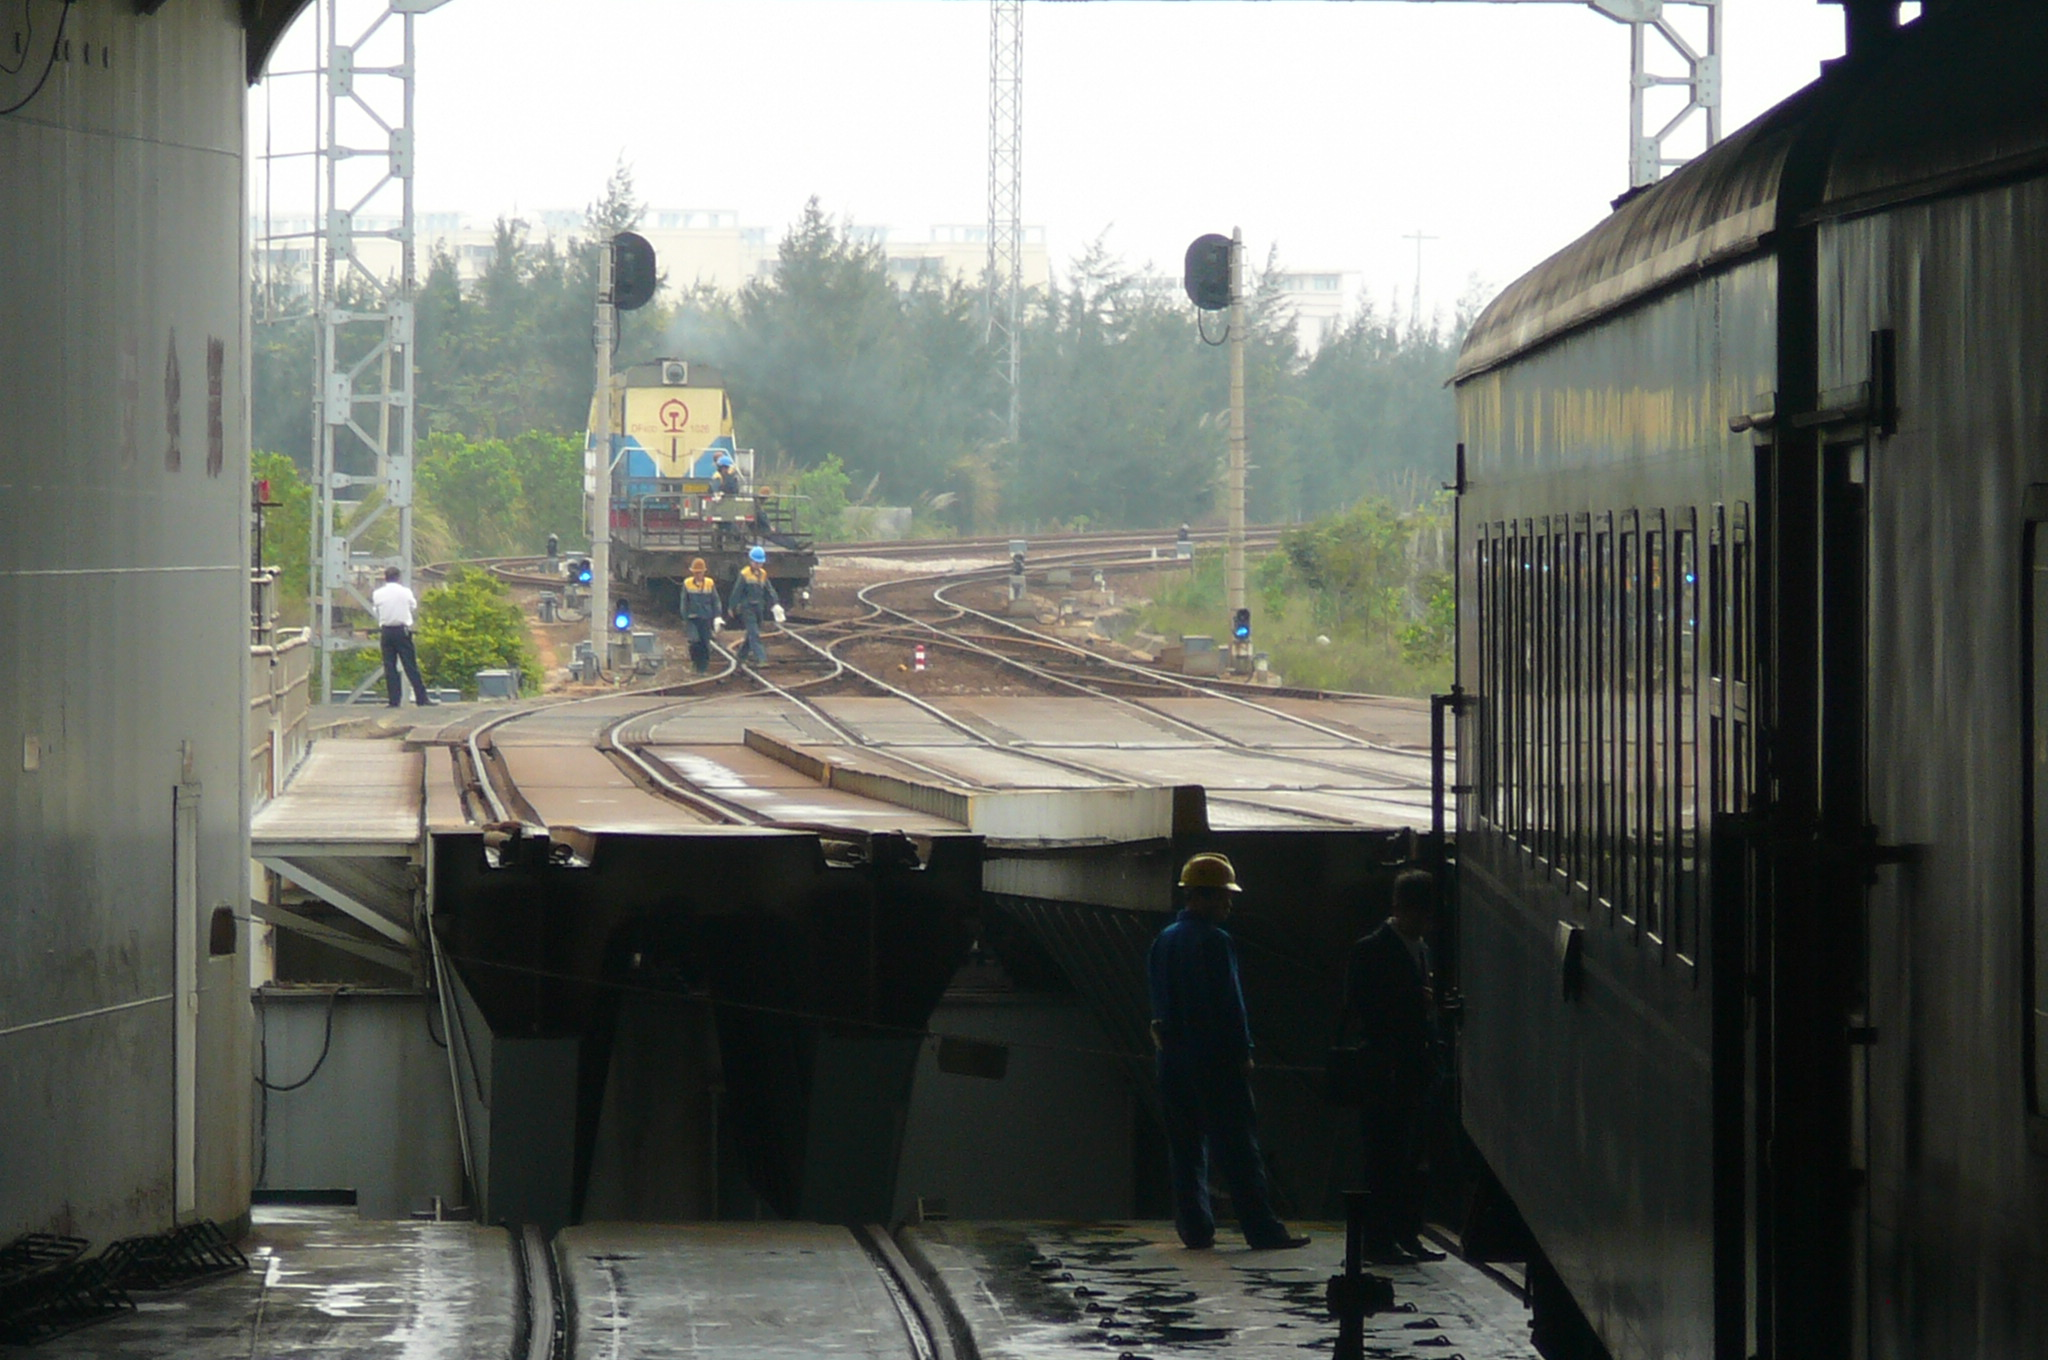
x,y
1202,329
326,1044
56,44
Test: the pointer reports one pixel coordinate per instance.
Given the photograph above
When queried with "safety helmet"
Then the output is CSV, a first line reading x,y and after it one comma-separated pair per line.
x,y
1209,870
725,460
697,566
757,554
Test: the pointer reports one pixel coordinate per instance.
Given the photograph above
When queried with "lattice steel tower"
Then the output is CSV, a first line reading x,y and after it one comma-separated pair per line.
x,y
362,309
1005,276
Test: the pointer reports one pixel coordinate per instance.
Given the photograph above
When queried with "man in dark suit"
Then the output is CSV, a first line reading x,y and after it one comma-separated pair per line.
x,y
1389,994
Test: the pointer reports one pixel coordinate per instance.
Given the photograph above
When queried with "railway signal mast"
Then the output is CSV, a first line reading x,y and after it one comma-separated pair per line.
x,y
626,280
1213,275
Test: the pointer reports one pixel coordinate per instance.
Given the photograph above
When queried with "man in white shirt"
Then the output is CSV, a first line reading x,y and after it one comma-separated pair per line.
x,y
394,605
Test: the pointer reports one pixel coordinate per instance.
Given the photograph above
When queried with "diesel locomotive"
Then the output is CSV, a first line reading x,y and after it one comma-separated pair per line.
x,y
1752,721
682,489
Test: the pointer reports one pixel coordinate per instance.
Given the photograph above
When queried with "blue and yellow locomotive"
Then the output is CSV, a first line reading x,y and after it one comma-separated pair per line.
x,y
681,488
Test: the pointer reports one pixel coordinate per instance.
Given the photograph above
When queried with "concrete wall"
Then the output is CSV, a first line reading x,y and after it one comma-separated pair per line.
x,y
123,617
378,1116
1051,1139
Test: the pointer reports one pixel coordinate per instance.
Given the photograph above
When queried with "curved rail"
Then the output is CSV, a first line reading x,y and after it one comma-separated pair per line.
x,y
545,1328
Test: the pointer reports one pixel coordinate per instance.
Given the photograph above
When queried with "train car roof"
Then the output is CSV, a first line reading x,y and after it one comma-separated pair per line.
x,y
1716,208
1958,104
1899,125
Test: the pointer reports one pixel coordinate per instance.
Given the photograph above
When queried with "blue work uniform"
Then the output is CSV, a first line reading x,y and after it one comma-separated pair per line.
x,y
1204,1041
700,612
753,597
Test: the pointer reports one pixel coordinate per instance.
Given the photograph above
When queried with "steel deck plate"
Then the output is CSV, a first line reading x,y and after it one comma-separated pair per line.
x,y
725,720
348,793
1392,721
570,786
739,775
1048,720
891,721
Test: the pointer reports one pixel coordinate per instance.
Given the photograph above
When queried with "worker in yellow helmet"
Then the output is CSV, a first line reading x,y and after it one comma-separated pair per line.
x,y
1204,1041
701,609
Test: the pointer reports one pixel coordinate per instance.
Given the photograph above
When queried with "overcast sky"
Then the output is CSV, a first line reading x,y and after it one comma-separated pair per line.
x,y
1329,130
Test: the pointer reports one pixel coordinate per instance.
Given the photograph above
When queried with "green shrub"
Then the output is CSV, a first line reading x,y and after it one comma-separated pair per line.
x,y
472,624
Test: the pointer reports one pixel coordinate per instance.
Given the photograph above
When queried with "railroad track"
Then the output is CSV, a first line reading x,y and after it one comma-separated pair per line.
x,y
613,1312
998,545
1035,660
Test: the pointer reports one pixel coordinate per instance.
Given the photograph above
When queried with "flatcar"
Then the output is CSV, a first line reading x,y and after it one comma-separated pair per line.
x,y
672,423
1752,719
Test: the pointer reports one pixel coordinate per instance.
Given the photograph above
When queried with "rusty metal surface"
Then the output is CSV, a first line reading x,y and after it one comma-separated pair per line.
x,y
581,787
989,768
1265,771
726,719
1220,769
889,721
1251,726
444,803
1242,814
348,792
780,794
1388,721
1062,720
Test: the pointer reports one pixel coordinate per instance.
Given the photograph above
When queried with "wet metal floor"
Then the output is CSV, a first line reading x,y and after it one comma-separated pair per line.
x,y
1031,1291
747,1291
324,1284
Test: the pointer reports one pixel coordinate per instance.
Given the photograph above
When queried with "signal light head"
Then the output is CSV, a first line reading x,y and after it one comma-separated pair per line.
x,y
1241,624
622,617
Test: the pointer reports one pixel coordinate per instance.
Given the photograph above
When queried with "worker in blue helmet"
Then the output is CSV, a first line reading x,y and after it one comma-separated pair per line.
x,y
726,481
754,598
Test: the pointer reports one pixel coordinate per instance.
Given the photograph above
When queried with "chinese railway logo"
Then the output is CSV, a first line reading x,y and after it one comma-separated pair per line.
x,y
674,416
